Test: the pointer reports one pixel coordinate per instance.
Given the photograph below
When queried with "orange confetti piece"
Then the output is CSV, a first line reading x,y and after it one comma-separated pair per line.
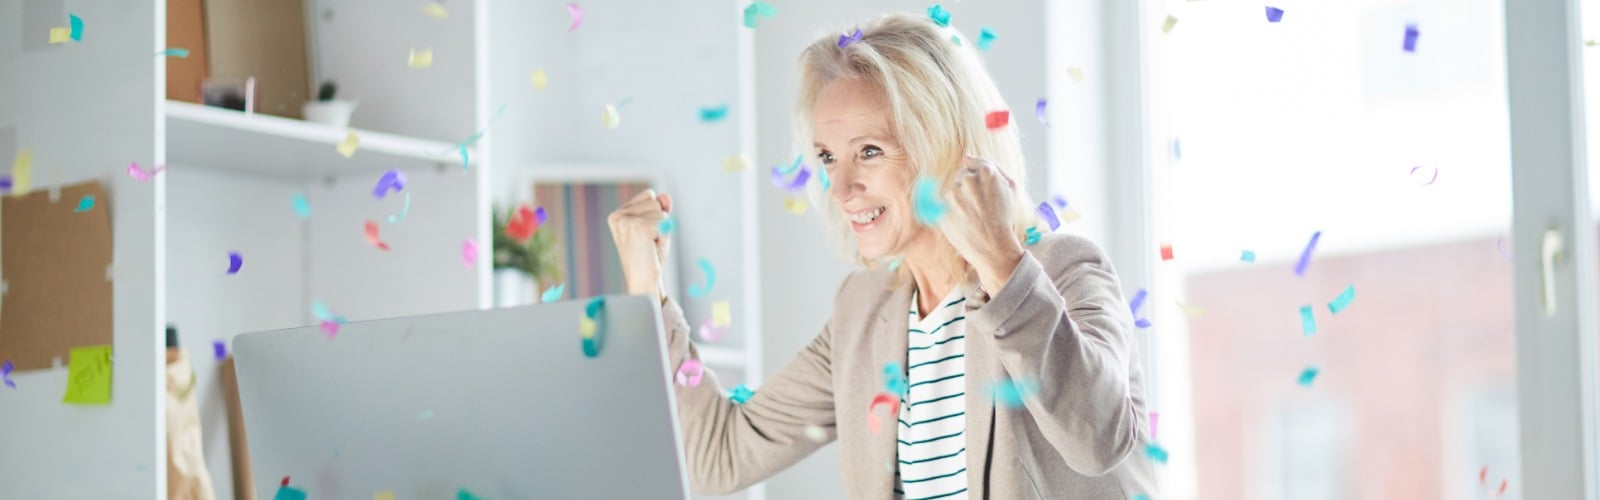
x,y
373,238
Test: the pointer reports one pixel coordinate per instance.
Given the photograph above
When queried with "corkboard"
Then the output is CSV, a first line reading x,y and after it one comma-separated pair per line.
x,y
54,262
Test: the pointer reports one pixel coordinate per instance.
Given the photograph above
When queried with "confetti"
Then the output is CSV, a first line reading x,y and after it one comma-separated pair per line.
x,y
22,172
1135,303
794,205
1247,256
1155,452
60,35
939,16
1499,245
591,326
553,293
1048,213
524,222
611,119
347,148
1153,418
741,394
1191,310
1342,302
404,209
85,204
698,291
420,60
5,373
301,206
463,494
577,16
666,226
287,492
1033,235
689,372
1172,21
712,114
425,415
894,379
735,163
846,40
986,37
881,399
721,313
815,433
1011,393
709,332
794,184
436,11
89,376
141,174
1075,73
1432,178
393,180
822,178
175,52
1274,14
1410,44
895,262
469,253
758,10
1308,322
235,261
929,208
1166,252
1305,256
1308,375
1590,43
794,167
1039,112
76,23
540,79
997,119
219,349
330,328
383,495
372,236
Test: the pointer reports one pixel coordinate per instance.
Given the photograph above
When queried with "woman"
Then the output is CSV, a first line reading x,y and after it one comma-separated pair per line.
x,y
975,314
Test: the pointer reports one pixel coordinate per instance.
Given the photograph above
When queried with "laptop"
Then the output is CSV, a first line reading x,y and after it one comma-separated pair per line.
x,y
497,404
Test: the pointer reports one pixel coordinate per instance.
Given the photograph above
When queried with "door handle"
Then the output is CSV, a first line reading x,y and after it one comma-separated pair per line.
x,y
1551,254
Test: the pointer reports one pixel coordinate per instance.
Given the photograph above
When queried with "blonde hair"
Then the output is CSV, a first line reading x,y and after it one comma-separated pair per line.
x,y
938,94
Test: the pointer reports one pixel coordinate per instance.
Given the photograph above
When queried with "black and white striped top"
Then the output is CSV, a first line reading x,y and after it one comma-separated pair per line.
x,y
933,420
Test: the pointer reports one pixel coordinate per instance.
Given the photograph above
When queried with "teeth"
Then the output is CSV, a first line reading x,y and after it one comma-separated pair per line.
x,y
866,217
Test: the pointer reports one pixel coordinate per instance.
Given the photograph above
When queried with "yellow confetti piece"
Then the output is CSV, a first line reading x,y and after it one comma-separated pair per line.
x,y
735,163
721,314
420,60
586,327
22,172
435,11
383,495
795,206
1191,310
612,119
1069,215
1076,73
351,142
540,79
1167,26
60,35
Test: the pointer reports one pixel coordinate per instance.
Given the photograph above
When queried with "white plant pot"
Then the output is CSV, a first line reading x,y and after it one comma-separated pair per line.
x,y
512,288
335,113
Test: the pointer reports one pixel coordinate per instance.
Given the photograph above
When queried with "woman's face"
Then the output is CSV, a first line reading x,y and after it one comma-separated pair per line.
x,y
870,172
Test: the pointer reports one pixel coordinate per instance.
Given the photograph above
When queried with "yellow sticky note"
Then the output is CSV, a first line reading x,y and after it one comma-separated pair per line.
x,y
351,142
721,314
22,172
795,206
1191,310
1076,73
586,327
612,119
60,35
436,11
1171,21
383,495
421,60
735,163
89,376
540,80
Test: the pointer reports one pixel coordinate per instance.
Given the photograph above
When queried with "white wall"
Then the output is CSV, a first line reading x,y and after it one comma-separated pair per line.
x,y
86,110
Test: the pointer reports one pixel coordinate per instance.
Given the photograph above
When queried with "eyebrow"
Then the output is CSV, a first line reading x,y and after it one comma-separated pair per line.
x,y
855,140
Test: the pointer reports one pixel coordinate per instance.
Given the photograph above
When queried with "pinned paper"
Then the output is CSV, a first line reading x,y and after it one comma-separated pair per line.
x,y
591,327
85,204
1274,14
1012,393
404,209
794,184
553,293
577,16
22,172
141,174
60,34
710,114
1166,27
436,11
1342,302
1075,73
881,399
699,291
1308,322
1155,452
235,261
89,376
175,52
758,10
420,60
986,37
1048,213
1039,112
1305,255
5,373
709,332
1410,44
721,313
1308,376
611,119
392,181
997,119
1033,235
741,394
540,79
925,199
1247,256
845,41
794,205
666,226
469,252
347,148
219,349
75,25
1135,303
373,238
1166,252
689,372
894,379
939,16
301,206
735,163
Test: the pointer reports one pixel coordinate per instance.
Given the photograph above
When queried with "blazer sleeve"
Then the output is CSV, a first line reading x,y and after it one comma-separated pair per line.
x,y
732,446
1060,322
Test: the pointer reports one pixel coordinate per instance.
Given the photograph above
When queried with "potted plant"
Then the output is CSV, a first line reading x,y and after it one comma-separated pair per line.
x,y
519,266
327,109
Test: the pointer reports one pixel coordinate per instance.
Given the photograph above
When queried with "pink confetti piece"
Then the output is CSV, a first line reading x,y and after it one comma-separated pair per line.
x,y
141,174
469,253
235,261
689,373
373,238
1153,418
709,331
330,328
881,399
577,15
1432,178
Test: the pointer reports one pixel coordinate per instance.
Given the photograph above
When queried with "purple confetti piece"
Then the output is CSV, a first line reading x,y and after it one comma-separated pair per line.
x,y
1411,37
219,349
1133,305
1305,256
1499,244
844,41
1049,215
540,216
235,261
5,374
393,179
1038,111
1059,202
791,185
1274,14
5,182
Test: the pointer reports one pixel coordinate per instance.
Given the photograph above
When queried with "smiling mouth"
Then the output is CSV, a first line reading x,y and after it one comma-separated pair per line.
x,y
866,217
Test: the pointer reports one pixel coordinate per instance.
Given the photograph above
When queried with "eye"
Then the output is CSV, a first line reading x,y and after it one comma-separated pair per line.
x,y
826,157
870,152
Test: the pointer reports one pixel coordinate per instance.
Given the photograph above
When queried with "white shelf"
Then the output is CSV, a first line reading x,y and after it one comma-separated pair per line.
x,y
211,137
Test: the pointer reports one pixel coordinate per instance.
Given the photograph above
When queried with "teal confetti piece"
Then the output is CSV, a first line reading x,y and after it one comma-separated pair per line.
x,y
1011,393
794,167
1308,376
1342,302
86,204
895,262
894,379
1034,235
1141,496
740,394
955,40
595,311
553,293
1156,453
77,27
939,16
711,114
1247,256
301,206
698,291
175,52
463,494
758,10
666,226
822,177
1308,323
289,493
928,206
986,37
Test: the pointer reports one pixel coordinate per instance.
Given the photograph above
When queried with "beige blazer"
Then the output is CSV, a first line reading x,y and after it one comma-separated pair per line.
x,y
1060,320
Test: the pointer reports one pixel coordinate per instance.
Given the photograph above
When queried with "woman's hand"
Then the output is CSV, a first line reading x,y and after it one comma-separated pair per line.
x,y
636,229
979,221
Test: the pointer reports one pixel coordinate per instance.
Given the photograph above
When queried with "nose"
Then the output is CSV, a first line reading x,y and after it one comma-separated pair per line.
x,y
844,180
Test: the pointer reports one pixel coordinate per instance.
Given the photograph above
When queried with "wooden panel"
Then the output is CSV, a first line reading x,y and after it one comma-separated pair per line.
x,y
186,29
57,296
265,39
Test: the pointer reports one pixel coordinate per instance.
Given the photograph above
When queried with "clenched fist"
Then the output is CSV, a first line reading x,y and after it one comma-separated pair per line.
x,y
636,229
978,225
